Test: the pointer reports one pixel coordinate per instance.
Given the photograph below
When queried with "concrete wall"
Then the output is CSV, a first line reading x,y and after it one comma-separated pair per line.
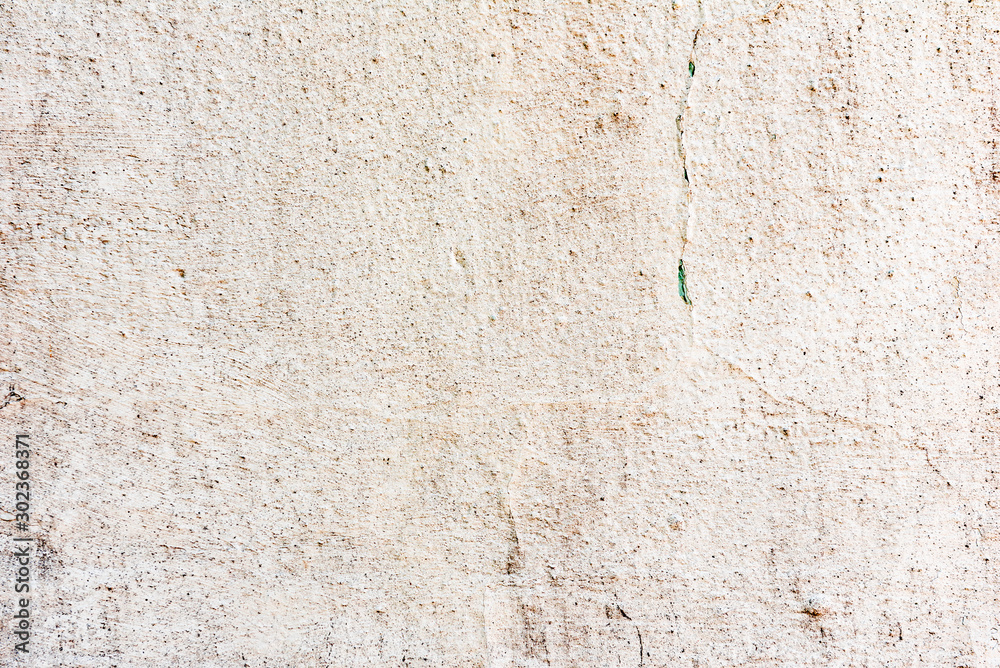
x,y
350,333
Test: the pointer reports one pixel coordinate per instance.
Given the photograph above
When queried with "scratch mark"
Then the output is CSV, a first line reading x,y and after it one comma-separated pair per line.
x,y
12,397
958,301
790,402
927,456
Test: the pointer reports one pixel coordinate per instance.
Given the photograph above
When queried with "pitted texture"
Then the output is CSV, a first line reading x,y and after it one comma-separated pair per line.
x,y
352,334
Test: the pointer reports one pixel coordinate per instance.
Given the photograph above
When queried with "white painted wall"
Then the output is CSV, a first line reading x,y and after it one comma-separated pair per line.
x,y
349,333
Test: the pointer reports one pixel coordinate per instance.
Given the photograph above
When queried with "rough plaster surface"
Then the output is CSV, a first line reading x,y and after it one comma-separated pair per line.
x,y
349,333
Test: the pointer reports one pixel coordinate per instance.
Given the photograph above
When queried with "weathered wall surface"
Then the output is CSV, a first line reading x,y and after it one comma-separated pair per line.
x,y
349,333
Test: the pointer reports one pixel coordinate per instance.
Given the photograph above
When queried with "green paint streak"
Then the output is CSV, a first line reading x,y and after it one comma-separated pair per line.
x,y
690,68
682,287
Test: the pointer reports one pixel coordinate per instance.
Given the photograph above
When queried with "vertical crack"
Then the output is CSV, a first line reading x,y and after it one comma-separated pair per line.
x,y
682,287
682,150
